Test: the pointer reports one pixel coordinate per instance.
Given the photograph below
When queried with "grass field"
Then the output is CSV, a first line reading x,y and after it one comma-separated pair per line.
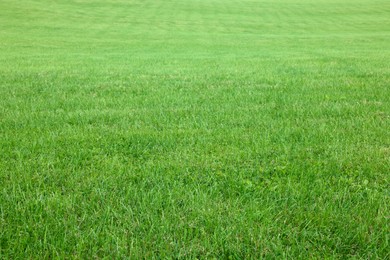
x,y
194,129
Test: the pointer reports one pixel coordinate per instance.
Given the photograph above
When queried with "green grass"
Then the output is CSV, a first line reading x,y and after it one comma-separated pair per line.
x,y
194,129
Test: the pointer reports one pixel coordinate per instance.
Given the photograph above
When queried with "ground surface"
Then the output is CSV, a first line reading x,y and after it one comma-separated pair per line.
x,y
196,128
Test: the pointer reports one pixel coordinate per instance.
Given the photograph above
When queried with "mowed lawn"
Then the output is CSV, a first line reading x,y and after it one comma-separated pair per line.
x,y
194,129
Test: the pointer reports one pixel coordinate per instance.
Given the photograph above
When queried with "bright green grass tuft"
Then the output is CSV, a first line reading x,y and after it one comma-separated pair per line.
x,y
194,129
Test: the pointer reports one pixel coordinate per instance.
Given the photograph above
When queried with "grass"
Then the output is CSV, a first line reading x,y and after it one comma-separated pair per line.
x,y
194,129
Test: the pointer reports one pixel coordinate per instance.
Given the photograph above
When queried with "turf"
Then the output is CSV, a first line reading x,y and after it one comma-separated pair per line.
x,y
194,129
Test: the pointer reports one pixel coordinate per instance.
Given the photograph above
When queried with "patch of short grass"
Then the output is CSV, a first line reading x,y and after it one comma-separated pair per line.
x,y
194,129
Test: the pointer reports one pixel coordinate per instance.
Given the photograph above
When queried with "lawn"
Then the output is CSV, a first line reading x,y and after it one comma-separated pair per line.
x,y
194,129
